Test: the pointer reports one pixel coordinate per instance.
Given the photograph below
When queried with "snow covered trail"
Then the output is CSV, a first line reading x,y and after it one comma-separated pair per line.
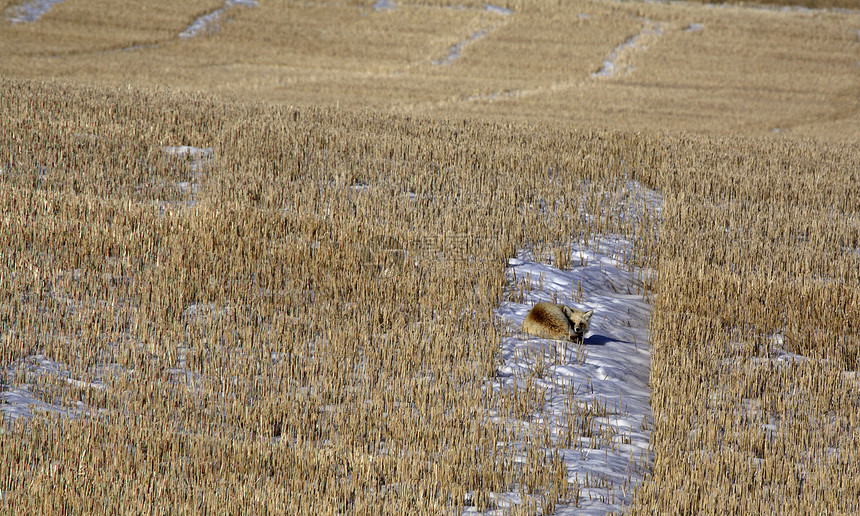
x,y
606,377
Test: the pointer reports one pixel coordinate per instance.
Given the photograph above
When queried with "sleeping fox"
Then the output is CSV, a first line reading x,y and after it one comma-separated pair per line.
x,y
559,322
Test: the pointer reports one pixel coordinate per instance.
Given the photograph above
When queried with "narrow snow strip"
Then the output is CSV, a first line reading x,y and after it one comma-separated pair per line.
x,y
613,65
498,10
384,5
207,22
606,377
456,49
694,27
30,11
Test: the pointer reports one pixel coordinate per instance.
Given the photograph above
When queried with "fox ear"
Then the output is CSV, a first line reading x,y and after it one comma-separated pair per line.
x,y
567,311
587,315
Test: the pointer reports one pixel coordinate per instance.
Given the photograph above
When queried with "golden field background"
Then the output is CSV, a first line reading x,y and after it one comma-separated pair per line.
x,y
231,338
747,71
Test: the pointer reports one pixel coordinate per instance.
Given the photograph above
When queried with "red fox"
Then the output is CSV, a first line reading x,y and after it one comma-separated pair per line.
x,y
559,322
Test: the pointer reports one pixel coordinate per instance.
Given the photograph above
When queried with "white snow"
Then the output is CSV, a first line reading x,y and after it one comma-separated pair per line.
x,y
457,48
607,376
23,399
694,27
384,5
200,159
30,11
498,10
611,66
207,22
200,156
194,152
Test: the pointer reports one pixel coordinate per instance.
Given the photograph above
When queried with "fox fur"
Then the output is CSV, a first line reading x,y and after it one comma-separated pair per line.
x,y
558,322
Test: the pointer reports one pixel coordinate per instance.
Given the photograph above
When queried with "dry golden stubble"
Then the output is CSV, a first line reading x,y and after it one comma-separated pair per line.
x,y
734,283
230,326
688,67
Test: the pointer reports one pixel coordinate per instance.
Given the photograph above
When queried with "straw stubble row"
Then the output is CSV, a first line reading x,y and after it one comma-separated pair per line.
x,y
754,332
310,328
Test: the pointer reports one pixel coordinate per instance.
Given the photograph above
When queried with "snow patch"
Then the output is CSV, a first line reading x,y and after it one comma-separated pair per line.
x,y
384,5
30,11
456,49
21,398
200,159
200,156
207,22
606,378
499,10
613,65
694,27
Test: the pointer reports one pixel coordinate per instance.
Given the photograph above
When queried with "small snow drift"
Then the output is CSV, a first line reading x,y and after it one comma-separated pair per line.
x,y
30,11
606,376
207,22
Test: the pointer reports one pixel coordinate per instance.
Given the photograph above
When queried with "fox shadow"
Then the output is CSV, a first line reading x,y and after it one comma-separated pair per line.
x,y
595,339
599,340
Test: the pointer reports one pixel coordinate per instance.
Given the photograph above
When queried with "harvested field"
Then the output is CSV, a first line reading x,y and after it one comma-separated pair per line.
x,y
272,257
740,71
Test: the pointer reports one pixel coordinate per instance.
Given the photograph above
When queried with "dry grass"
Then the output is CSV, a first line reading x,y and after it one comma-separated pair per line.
x,y
233,332
794,4
756,323
728,70
269,328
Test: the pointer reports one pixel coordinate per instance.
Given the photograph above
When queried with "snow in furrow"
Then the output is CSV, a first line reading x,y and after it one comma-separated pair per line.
x,y
613,65
207,22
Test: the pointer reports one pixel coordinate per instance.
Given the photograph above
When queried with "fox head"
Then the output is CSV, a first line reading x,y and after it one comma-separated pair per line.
x,y
578,320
